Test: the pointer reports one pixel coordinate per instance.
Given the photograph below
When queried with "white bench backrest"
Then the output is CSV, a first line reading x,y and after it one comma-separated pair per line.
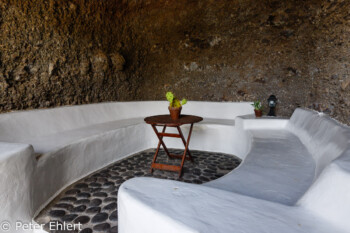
x,y
24,124
329,196
19,125
325,138
329,143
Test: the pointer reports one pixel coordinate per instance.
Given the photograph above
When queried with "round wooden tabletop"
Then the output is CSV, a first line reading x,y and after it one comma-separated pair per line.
x,y
166,120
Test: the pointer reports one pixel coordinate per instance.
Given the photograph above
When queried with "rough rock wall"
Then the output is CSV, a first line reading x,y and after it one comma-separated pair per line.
x,y
56,53
247,49
72,52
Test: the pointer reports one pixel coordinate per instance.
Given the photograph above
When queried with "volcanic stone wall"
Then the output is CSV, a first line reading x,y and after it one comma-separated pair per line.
x,y
56,53
73,52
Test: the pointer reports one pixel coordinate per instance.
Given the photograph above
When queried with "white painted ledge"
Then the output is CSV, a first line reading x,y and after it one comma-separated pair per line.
x,y
248,122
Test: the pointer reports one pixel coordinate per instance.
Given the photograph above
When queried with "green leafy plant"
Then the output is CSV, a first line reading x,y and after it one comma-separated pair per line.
x,y
174,102
257,105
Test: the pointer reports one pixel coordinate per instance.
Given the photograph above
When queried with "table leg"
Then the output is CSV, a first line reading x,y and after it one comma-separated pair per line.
x,y
159,143
161,139
184,141
186,148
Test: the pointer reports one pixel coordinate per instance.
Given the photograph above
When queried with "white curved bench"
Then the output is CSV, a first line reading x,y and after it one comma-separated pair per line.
x,y
75,141
278,167
294,178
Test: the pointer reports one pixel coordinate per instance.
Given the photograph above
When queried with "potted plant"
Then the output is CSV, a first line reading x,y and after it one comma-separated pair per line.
x,y
175,105
257,108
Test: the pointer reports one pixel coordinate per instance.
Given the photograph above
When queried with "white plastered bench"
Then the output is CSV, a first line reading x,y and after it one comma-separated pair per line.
x,y
295,177
75,141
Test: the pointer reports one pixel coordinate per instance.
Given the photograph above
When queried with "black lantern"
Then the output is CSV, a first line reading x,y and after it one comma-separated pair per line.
x,y
272,101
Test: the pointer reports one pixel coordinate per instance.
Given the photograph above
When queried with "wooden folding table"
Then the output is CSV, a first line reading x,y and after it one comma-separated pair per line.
x,y
166,121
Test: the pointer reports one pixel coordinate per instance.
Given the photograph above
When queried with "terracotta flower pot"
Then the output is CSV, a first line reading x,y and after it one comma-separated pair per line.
x,y
258,113
175,112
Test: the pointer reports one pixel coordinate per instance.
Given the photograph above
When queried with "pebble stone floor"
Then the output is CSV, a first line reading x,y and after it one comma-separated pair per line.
x,y
92,201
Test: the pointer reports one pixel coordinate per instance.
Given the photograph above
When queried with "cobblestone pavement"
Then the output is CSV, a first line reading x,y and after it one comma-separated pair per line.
x,y
92,201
